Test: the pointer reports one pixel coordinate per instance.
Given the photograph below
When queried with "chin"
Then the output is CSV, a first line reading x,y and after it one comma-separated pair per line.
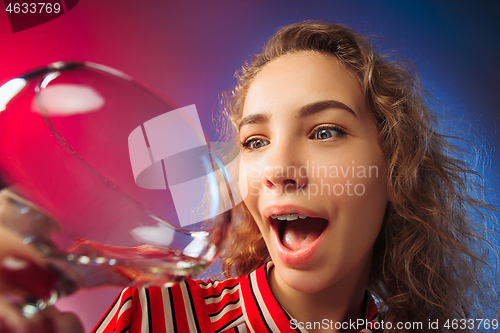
x,y
324,274
311,287
306,281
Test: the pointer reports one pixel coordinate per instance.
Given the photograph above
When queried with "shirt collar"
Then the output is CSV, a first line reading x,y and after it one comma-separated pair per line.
x,y
264,313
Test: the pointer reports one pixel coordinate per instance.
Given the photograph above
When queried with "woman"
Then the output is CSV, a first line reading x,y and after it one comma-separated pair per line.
x,y
352,196
358,218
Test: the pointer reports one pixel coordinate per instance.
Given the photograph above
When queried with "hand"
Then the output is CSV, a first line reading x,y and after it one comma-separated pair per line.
x,y
24,275
49,320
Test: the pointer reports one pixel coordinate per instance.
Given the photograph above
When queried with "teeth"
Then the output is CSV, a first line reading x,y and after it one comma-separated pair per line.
x,y
288,217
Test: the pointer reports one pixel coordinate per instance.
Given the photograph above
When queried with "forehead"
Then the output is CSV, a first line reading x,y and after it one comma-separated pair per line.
x,y
297,79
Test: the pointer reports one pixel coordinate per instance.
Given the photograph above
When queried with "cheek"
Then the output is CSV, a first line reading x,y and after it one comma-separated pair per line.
x,y
365,207
255,171
356,185
242,178
362,171
249,184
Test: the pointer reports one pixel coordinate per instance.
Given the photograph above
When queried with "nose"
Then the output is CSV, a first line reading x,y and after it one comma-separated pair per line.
x,y
286,169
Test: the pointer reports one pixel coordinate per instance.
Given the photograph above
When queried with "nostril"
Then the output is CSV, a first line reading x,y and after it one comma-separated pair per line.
x,y
285,183
269,184
276,177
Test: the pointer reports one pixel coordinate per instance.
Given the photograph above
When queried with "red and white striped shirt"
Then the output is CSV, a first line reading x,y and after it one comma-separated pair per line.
x,y
244,304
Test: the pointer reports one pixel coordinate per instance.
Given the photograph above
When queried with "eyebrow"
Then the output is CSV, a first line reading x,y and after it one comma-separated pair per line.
x,y
316,107
305,111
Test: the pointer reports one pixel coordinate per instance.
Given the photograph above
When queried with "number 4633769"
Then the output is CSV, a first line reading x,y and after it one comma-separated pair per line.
x,y
33,8
472,324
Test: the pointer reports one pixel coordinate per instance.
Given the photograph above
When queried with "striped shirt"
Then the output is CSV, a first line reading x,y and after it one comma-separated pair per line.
x,y
244,304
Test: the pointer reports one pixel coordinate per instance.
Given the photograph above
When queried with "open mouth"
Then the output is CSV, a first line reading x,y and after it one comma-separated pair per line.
x,y
298,231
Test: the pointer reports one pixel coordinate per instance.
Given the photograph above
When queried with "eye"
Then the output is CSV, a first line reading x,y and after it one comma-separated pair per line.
x,y
328,133
254,143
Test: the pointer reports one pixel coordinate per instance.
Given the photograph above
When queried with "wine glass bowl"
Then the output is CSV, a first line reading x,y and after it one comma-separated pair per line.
x,y
111,184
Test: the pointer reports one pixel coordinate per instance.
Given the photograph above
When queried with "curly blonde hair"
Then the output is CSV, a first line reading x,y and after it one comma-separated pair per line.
x,y
427,260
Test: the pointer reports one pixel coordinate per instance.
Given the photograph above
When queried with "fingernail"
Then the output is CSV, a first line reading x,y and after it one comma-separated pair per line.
x,y
22,273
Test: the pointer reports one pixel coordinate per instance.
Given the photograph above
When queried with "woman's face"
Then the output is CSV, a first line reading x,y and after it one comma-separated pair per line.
x,y
310,151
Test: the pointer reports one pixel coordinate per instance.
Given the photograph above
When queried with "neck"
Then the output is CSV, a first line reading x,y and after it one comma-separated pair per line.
x,y
340,302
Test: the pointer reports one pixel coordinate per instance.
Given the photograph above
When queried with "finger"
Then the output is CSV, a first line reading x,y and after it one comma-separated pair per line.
x,y
52,320
49,320
11,319
67,322
26,277
11,245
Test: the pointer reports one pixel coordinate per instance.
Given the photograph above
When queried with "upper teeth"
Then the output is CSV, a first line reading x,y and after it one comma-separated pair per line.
x,y
288,217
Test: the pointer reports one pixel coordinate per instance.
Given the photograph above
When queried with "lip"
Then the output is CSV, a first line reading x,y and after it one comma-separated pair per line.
x,y
287,256
287,209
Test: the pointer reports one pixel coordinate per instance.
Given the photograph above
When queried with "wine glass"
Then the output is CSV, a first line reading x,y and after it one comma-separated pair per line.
x,y
112,184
